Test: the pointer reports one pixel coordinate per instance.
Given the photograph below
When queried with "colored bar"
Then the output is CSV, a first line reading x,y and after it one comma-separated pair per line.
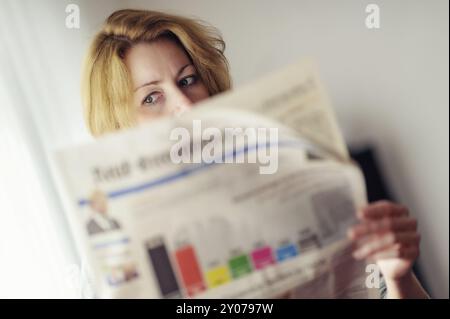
x,y
286,251
190,270
309,243
262,257
217,276
240,266
162,268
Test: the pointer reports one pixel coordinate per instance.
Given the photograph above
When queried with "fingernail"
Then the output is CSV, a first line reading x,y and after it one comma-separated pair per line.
x,y
350,233
357,254
361,252
360,213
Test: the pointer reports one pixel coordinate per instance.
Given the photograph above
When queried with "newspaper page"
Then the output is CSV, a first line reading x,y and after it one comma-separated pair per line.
x,y
262,216
295,97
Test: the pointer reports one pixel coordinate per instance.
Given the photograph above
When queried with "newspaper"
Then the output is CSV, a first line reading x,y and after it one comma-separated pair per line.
x,y
263,219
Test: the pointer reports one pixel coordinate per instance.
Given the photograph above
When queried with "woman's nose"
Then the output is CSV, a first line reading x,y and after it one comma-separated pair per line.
x,y
180,103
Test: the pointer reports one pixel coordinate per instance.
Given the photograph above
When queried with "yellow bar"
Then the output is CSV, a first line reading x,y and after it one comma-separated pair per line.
x,y
217,276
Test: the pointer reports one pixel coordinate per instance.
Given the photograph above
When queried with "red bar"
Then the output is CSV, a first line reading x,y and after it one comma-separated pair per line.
x,y
190,270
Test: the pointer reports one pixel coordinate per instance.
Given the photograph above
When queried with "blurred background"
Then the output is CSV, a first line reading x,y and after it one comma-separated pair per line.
x,y
389,87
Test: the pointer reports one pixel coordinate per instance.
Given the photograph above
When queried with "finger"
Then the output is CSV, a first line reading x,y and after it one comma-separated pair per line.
x,y
376,243
382,209
401,224
388,239
405,252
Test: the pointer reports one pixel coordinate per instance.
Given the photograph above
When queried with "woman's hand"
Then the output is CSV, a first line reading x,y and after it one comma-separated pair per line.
x,y
388,235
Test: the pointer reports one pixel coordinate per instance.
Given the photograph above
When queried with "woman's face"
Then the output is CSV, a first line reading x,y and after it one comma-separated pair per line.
x,y
165,82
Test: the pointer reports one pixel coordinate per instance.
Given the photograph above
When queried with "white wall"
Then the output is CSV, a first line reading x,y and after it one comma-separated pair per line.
x,y
389,86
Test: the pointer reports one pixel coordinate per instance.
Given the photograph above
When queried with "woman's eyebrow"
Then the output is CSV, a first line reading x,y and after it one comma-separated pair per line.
x,y
182,69
157,81
146,84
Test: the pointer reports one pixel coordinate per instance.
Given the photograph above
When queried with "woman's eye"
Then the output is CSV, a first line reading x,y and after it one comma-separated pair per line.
x,y
151,98
189,80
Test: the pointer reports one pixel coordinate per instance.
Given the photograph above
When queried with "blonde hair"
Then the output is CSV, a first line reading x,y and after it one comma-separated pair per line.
x,y
106,83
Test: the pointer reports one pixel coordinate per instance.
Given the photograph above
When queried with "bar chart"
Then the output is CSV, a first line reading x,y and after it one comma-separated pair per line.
x,y
180,272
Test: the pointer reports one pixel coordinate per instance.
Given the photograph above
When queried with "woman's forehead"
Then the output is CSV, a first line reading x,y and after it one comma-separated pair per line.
x,y
151,61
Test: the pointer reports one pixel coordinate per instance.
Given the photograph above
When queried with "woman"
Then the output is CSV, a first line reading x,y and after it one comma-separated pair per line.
x,y
144,64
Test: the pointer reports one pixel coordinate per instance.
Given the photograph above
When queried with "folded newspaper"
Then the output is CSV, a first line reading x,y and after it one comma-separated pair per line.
x,y
249,195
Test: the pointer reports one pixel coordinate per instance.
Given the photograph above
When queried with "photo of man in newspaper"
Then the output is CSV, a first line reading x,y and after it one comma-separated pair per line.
x,y
99,221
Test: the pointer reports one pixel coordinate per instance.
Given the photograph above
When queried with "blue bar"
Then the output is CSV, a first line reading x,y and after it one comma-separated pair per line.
x,y
286,252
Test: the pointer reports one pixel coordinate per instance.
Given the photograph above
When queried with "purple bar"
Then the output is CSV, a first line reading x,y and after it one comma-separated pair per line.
x,y
262,257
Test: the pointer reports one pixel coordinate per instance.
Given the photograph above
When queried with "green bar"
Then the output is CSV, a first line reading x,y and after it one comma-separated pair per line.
x,y
240,266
